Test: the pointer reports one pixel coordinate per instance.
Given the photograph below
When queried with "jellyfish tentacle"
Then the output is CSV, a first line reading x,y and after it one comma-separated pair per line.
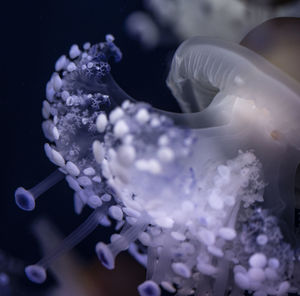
x,y
87,227
25,199
108,253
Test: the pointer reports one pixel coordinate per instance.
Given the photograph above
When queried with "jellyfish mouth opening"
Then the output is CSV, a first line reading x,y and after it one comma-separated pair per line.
x,y
105,256
103,259
36,274
149,288
24,199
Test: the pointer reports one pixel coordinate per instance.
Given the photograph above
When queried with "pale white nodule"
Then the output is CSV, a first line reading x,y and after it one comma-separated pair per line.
x,y
181,269
55,133
98,151
142,116
61,63
57,158
74,51
57,82
71,67
89,171
72,168
101,122
115,114
227,233
121,129
116,213
258,260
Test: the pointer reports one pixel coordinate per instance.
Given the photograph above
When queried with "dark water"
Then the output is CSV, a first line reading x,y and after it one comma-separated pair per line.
x,y
33,36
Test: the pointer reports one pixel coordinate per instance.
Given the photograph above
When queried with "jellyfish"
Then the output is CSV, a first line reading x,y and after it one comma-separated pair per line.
x,y
168,22
203,199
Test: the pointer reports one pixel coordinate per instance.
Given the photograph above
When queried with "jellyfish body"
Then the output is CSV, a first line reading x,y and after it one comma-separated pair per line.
x,y
201,68
203,200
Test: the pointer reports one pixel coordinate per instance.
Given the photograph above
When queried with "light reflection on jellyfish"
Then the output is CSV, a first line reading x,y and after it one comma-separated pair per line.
x,y
204,199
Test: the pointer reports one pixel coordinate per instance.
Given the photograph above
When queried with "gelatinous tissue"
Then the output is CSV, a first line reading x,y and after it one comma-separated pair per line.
x,y
203,199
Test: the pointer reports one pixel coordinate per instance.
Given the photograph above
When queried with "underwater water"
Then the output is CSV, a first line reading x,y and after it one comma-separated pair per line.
x,y
141,76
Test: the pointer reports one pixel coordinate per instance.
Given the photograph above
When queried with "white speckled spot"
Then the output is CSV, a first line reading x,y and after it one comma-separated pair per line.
x,y
74,51
142,116
94,201
258,260
101,122
84,181
242,280
61,63
273,263
57,82
98,151
261,239
164,222
165,154
121,129
57,158
206,268
256,274
115,114
89,171
215,251
71,67
72,169
206,236
181,269
178,235
116,213
227,233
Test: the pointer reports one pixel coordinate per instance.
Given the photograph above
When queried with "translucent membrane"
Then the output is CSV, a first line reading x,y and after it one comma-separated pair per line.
x,y
241,101
25,198
151,262
163,262
37,272
205,70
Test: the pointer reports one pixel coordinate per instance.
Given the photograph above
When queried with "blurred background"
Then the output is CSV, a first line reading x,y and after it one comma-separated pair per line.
x,y
33,36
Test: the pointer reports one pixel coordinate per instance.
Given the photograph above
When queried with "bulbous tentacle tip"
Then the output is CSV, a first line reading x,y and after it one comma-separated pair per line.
x,y
149,288
36,273
24,199
105,255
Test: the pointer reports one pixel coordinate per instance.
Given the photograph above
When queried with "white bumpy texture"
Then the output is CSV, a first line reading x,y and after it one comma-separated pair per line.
x,y
190,212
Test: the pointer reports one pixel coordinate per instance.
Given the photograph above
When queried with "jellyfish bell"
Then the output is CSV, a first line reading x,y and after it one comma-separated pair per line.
x,y
207,72
279,34
251,93
200,191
